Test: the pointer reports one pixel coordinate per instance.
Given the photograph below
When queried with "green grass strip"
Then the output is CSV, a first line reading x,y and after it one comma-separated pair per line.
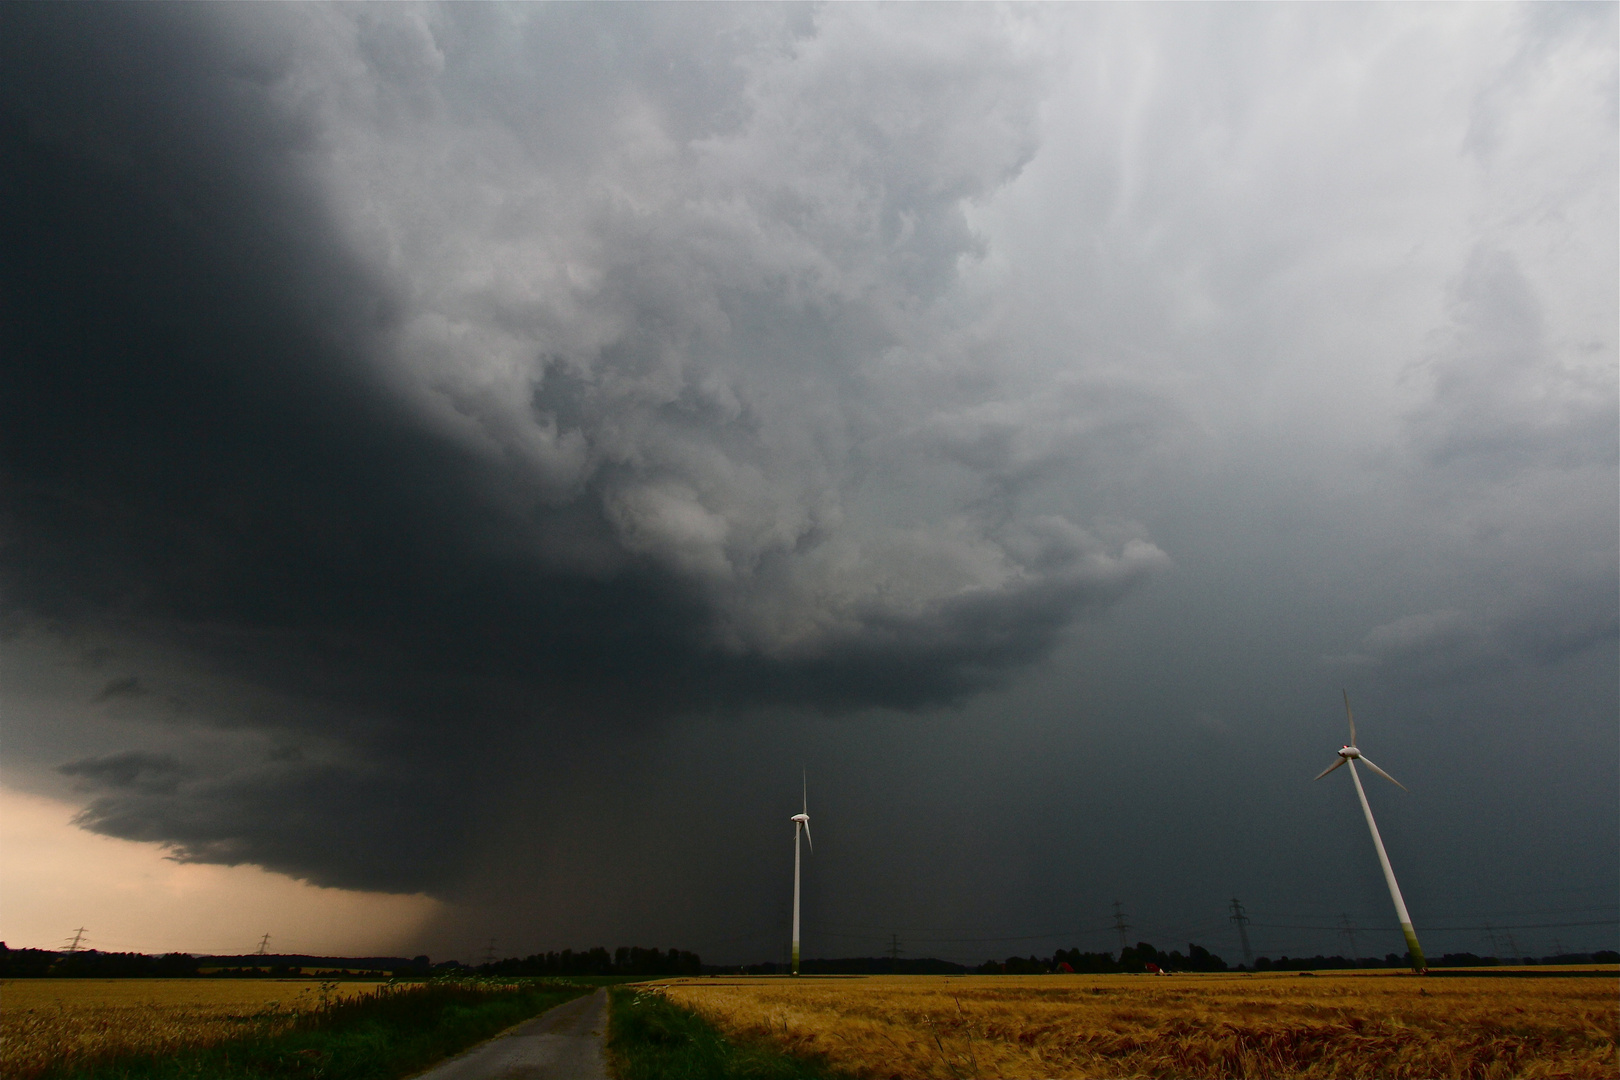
x,y
651,1038
397,1032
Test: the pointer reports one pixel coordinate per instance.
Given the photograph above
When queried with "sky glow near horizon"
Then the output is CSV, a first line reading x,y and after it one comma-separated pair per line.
x,y
471,458
142,901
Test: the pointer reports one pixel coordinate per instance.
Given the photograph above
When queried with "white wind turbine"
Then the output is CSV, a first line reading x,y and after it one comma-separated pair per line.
x,y
1350,754
800,820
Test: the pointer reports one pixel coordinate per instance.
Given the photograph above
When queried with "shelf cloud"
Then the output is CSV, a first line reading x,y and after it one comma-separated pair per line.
x,y
393,393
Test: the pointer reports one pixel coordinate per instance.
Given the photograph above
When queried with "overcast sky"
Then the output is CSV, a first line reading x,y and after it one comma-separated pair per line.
x,y
471,459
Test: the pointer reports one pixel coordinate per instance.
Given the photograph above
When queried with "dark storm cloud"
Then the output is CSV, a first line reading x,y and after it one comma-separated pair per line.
x,y
491,449
128,686
337,826
414,515
1438,647
155,773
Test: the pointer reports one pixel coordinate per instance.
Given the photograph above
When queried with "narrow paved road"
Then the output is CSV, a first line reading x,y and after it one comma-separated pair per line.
x,y
563,1044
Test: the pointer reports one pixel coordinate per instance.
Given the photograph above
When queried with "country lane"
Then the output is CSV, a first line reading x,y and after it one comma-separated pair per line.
x,y
564,1043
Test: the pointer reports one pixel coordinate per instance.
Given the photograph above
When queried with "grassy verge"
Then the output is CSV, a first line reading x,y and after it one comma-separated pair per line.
x,y
393,1033
651,1038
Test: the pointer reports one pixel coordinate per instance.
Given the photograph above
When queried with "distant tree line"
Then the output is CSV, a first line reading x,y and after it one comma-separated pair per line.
x,y
1143,957
1332,963
855,965
1139,958
95,964
1136,958
1449,960
92,964
624,960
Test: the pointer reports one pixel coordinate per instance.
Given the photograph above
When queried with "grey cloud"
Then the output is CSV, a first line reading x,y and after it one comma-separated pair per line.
x,y
1505,398
627,325
507,426
501,400
1550,33
987,632
1567,624
1451,644
337,826
1446,644
147,773
128,686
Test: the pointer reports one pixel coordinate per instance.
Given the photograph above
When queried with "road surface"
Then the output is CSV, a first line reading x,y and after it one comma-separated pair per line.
x,y
562,1044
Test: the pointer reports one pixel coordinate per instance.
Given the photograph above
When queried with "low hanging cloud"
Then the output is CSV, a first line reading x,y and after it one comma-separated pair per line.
x,y
157,773
436,377
1449,645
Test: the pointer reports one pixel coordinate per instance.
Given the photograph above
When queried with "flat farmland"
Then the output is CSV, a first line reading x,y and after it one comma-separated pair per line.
x,y
1363,1024
46,1022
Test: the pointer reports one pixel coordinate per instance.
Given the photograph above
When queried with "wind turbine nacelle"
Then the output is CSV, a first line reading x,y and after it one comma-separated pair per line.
x,y
1349,752
800,817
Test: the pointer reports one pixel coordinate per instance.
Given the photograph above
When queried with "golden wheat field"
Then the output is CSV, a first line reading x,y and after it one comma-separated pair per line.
x,y
50,1021
1229,1025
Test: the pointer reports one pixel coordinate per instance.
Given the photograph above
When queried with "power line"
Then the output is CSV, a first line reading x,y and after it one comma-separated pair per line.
x,y
1349,933
1432,917
946,936
1430,929
945,933
1061,935
1242,922
1121,925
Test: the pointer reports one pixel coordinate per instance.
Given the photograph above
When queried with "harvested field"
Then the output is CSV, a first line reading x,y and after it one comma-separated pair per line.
x,y
1230,1025
56,1021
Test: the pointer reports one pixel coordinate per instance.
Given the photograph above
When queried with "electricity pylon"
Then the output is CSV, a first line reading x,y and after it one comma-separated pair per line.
x,y
1121,925
1242,922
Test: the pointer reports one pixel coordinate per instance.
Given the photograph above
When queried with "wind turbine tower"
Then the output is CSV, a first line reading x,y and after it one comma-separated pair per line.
x,y
1350,754
800,820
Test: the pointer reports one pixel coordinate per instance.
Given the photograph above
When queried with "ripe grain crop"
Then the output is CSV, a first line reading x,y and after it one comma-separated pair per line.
x,y
57,1022
1230,1025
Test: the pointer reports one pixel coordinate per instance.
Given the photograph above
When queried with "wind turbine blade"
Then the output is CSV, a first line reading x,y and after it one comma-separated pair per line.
x,y
1351,716
807,839
1382,773
1331,767
804,794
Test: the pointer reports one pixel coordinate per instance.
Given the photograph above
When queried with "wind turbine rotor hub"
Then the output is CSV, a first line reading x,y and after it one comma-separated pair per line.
x,y
1349,752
